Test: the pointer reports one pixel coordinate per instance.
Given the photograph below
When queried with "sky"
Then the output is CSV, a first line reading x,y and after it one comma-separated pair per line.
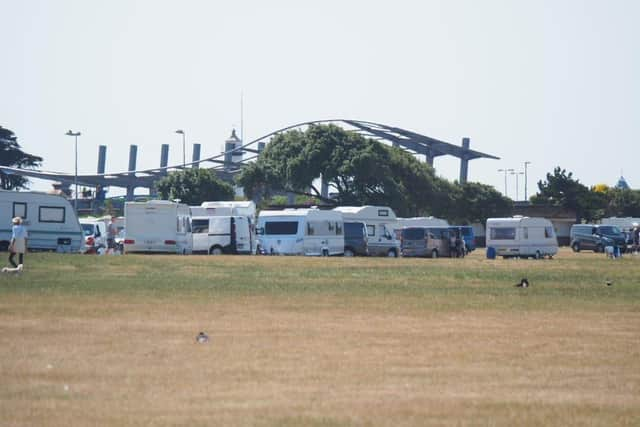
x,y
552,82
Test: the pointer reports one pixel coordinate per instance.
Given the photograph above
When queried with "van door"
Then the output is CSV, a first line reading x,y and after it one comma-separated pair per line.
x,y
200,230
243,235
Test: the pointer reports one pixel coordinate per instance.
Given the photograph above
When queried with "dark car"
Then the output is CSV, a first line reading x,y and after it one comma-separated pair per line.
x,y
355,239
596,237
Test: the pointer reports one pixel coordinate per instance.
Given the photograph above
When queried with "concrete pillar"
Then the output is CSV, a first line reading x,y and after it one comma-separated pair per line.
x,y
133,157
324,189
102,158
196,154
464,161
164,156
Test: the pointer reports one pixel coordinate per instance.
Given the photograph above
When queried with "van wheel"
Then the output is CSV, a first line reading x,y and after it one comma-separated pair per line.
x,y
538,255
216,250
392,253
349,252
576,247
434,253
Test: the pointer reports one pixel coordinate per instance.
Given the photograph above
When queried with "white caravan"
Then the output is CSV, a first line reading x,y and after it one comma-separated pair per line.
x,y
245,209
381,223
50,220
157,226
217,235
301,232
522,237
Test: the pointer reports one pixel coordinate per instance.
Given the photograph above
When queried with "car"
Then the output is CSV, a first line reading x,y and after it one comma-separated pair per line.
x,y
596,237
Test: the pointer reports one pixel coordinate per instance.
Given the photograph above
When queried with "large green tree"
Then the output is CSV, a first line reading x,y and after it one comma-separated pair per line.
x,y
476,202
11,155
194,186
561,189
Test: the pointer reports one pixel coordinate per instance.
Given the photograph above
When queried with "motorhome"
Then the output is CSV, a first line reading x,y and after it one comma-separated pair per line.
x,y
217,235
381,223
311,232
246,209
50,220
522,237
157,226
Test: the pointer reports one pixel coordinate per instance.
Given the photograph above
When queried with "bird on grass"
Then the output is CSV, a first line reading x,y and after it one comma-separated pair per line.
x,y
524,283
202,338
609,282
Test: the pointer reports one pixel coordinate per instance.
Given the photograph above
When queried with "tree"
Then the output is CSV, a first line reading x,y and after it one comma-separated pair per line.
x,y
623,202
476,202
194,186
362,171
561,189
11,155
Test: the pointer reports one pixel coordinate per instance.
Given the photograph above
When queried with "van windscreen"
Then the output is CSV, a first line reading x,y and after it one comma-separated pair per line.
x,y
413,233
281,227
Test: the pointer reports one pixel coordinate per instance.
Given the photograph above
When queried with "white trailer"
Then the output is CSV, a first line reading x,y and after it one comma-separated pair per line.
x,y
157,226
217,235
311,232
521,237
50,220
381,222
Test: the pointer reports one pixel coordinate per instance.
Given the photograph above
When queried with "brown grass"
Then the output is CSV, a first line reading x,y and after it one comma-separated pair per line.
x,y
311,360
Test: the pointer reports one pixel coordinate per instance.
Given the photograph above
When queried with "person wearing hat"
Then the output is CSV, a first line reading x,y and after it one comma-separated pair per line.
x,y
18,243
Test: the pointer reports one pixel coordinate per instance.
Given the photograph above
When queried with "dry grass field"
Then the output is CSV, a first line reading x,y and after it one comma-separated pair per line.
x,y
87,340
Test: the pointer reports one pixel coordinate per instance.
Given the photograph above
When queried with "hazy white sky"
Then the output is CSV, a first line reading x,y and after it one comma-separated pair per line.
x,y
552,82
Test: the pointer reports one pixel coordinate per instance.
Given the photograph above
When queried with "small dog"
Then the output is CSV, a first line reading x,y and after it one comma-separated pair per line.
x,y
16,270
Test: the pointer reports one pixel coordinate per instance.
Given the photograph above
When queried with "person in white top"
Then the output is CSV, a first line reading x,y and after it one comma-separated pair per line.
x,y
18,243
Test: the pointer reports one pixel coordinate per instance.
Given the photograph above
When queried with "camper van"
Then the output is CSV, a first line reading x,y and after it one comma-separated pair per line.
x,y
300,232
245,209
95,232
423,242
521,237
50,220
217,235
157,226
381,222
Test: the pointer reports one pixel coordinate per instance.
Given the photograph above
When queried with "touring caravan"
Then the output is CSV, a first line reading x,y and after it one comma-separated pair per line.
x,y
217,235
301,232
381,222
157,226
246,209
50,220
522,237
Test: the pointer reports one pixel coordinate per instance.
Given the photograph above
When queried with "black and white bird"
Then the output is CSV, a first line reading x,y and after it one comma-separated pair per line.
x,y
202,338
524,283
609,282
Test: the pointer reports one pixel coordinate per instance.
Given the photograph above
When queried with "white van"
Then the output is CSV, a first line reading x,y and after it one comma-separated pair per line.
x,y
522,237
157,226
246,209
217,235
301,232
95,232
381,222
50,220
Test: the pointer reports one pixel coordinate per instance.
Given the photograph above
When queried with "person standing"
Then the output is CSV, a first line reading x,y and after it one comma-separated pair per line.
x,y
18,243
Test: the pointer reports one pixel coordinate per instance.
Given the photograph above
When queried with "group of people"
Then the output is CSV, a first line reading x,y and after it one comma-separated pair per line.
x,y
635,233
457,246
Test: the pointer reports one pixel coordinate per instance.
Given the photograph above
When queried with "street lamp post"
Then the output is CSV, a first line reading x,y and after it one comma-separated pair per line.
x,y
184,152
505,179
75,176
525,179
516,174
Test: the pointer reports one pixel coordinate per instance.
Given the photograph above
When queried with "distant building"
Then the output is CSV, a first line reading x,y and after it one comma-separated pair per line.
x,y
622,184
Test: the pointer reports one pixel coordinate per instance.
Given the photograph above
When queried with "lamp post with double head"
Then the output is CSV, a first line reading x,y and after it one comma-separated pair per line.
x,y
525,179
75,176
506,171
184,152
516,174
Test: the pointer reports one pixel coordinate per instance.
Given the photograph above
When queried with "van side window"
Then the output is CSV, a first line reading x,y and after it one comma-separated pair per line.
x,y
371,230
310,229
20,209
525,233
200,226
548,232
